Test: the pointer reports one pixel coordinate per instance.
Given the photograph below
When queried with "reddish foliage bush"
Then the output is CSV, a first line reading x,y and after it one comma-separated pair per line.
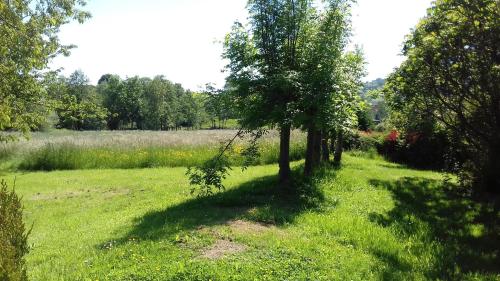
x,y
393,136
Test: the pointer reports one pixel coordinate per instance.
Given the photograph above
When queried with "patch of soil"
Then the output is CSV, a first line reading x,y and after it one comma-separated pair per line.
x,y
115,192
79,193
54,196
248,227
222,248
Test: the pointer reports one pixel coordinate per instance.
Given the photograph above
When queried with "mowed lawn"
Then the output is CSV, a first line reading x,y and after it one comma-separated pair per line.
x,y
368,220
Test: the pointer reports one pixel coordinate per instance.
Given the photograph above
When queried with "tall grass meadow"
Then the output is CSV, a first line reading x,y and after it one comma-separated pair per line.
x,y
138,149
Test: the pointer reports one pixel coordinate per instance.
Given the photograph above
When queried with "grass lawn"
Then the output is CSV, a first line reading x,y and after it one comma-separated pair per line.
x,y
369,220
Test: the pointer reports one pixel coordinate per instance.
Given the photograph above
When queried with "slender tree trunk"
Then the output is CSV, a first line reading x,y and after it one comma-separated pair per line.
x,y
338,148
284,158
325,151
333,137
308,167
317,149
492,176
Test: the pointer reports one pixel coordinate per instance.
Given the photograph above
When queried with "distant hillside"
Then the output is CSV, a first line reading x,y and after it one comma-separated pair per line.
x,y
373,85
378,110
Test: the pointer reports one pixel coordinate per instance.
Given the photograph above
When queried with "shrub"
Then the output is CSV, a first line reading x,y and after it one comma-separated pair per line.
x,y
363,141
417,149
13,236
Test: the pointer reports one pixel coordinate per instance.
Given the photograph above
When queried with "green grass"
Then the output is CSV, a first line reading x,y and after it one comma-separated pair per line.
x,y
368,220
69,150
71,157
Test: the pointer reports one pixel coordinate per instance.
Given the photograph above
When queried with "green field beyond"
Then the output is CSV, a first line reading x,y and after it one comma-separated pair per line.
x,y
369,220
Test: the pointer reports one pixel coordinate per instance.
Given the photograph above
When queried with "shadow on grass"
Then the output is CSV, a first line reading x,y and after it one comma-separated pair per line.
x,y
468,230
260,200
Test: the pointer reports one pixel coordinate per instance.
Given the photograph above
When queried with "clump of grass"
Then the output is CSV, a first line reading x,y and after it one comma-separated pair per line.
x,y
369,154
7,151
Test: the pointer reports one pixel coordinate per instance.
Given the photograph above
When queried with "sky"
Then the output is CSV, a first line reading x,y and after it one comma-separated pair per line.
x,y
181,39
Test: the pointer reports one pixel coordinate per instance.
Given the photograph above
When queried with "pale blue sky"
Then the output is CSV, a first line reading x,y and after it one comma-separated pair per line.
x,y
181,38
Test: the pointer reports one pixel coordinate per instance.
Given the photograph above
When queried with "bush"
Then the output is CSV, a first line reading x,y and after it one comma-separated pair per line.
x,y
417,149
363,141
13,236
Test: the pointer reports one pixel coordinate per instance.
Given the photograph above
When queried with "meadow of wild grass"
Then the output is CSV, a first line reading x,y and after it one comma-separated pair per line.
x,y
70,150
367,220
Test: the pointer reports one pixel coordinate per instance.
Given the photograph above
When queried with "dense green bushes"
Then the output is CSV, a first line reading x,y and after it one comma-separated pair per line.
x,y
417,150
13,236
363,141
449,80
420,150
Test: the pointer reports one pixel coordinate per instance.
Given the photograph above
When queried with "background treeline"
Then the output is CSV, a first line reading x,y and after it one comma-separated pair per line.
x,y
134,103
142,103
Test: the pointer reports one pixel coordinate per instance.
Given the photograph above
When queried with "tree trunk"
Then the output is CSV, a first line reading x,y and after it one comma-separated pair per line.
x,y
333,137
308,167
492,176
317,149
284,158
338,148
325,151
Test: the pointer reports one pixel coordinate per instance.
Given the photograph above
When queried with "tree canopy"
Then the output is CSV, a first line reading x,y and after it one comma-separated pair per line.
x,y
28,42
449,81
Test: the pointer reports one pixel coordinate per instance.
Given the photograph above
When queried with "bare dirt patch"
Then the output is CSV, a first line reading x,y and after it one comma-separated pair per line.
x,y
80,193
115,192
61,195
222,248
249,227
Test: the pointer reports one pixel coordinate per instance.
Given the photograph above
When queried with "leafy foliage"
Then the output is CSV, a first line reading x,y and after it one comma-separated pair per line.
x,y
133,103
76,103
28,42
450,82
207,177
13,236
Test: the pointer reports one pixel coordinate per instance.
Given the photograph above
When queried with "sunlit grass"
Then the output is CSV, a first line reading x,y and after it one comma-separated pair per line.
x,y
69,150
373,220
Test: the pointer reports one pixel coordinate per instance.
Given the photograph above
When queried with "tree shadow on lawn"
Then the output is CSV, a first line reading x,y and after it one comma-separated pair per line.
x,y
467,229
261,200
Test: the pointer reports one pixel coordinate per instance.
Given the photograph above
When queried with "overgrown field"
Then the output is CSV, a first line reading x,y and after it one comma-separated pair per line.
x,y
368,220
69,150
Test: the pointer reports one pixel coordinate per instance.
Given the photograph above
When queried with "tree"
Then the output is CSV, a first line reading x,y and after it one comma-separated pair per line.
x,y
347,102
321,77
76,103
218,105
28,42
289,68
78,86
129,102
450,78
110,90
263,68
152,104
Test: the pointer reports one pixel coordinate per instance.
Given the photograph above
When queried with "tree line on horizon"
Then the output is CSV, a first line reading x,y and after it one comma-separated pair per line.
x,y
143,103
134,103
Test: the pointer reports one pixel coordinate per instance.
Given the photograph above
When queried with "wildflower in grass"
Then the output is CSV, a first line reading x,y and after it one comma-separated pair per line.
x,y
238,148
